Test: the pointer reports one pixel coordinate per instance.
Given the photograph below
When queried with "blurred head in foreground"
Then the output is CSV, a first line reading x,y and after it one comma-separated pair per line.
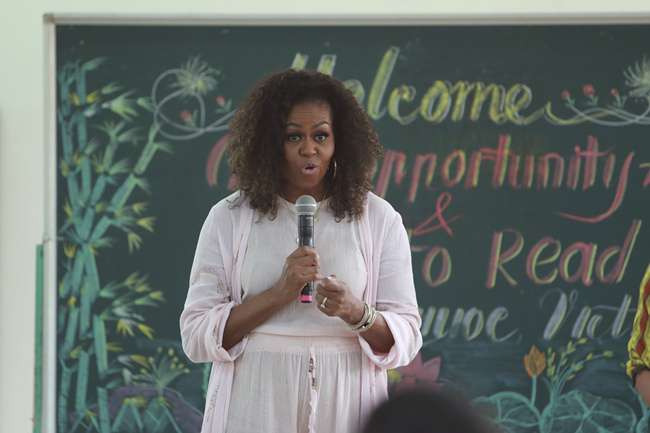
x,y
425,410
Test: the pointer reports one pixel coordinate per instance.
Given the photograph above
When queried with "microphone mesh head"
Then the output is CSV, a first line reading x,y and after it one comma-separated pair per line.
x,y
305,205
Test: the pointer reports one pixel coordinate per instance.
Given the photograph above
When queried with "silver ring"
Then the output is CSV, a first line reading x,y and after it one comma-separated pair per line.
x,y
322,304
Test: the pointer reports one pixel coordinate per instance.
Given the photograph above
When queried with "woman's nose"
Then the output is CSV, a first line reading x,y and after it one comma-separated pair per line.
x,y
308,147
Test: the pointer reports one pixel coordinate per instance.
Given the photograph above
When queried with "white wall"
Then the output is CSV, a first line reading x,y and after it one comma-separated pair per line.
x,y
22,183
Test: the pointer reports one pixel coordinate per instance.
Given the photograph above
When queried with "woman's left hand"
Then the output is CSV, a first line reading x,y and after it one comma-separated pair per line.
x,y
339,300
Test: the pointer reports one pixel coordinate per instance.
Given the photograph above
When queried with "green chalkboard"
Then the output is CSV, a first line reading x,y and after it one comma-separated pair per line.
x,y
518,156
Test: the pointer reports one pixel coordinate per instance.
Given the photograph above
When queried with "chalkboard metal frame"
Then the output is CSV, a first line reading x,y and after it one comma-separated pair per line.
x,y
346,19
49,251
51,21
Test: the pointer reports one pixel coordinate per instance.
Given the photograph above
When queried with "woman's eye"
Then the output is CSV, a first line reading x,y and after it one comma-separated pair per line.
x,y
293,137
321,137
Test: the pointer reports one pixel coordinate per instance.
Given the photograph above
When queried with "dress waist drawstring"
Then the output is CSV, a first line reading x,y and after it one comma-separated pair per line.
x,y
313,394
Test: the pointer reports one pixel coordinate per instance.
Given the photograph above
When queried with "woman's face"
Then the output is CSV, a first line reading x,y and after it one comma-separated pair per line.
x,y
308,149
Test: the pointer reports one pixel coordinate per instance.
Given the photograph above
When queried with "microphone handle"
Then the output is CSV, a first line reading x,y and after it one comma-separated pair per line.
x,y
306,237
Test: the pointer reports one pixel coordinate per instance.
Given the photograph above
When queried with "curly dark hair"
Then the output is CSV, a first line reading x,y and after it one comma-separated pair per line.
x,y
256,141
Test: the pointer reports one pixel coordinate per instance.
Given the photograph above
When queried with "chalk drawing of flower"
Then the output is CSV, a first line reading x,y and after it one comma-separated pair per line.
x,y
638,77
196,77
590,93
188,117
535,363
415,374
619,101
192,85
614,112
223,105
567,97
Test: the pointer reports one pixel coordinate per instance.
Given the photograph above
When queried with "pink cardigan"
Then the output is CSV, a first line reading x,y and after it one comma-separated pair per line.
x,y
216,270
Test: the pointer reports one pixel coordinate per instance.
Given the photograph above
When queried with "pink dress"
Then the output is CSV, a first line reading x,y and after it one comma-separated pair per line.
x,y
301,370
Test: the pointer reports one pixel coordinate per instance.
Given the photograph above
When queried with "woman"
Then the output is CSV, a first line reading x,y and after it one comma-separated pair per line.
x,y
280,365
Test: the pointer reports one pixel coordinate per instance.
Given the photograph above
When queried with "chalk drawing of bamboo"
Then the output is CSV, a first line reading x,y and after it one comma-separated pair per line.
x,y
82,332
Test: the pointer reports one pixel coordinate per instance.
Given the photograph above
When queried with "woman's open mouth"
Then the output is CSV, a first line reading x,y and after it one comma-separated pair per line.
x,y
309,169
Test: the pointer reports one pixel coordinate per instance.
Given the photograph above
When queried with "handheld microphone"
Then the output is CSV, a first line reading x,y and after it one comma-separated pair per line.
x,y
306,207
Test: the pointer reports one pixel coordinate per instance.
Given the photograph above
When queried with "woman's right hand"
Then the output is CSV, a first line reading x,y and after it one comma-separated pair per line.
x,y
300,268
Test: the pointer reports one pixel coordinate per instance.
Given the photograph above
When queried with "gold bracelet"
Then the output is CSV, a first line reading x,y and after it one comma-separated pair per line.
x,y
371,320
364,319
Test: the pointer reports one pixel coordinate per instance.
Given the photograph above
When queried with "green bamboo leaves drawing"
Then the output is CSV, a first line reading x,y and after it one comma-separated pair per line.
x,y
100,176
160,370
